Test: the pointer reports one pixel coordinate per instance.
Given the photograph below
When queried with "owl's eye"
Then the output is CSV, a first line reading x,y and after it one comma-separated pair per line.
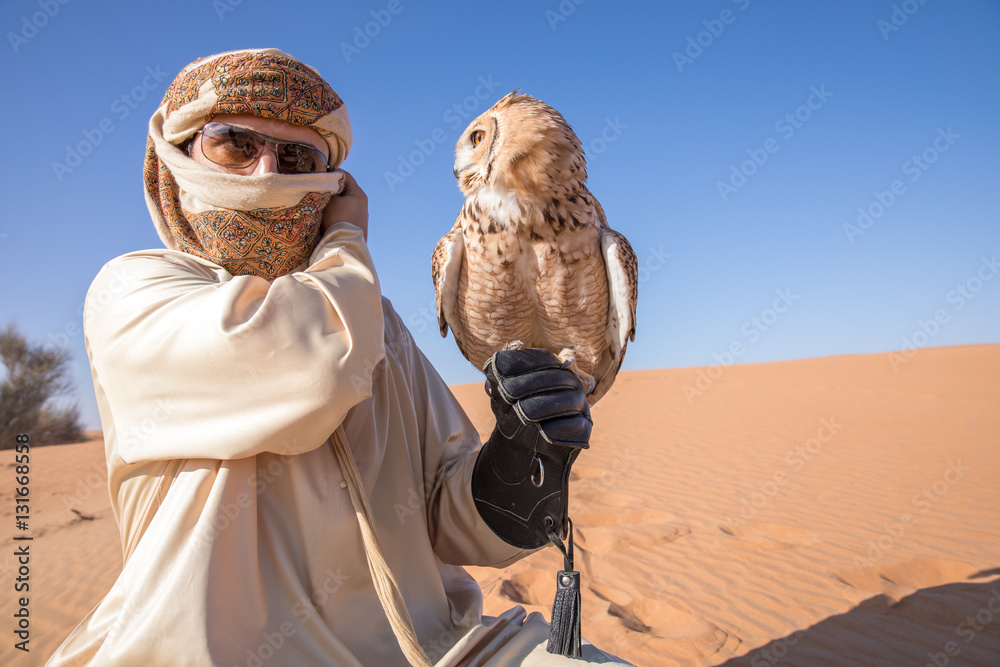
x,y
476,137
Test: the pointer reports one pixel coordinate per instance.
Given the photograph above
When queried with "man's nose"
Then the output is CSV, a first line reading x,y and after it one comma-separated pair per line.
x,y
268,163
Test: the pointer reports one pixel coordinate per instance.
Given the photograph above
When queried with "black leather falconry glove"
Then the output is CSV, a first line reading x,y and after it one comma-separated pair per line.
x,y
521,479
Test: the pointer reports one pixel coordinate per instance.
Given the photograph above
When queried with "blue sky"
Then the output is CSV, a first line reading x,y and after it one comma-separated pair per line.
x,y
730,141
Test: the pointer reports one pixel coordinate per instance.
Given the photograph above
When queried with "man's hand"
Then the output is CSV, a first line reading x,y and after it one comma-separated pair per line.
x,y
351,205
521,480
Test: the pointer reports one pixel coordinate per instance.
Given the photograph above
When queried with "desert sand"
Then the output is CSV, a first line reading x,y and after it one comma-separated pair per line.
x,y
833,511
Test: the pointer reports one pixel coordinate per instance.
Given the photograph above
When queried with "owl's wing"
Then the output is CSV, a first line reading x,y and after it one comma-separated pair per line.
x,y
446,265
623,284
623,288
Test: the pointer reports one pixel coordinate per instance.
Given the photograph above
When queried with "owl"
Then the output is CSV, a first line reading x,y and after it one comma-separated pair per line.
x,y
531,261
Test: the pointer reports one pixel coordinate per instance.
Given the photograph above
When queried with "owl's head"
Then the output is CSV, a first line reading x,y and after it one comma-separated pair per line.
x,y
520,144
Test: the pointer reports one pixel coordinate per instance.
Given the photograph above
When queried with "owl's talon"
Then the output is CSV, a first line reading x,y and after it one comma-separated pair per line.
x,y
569,362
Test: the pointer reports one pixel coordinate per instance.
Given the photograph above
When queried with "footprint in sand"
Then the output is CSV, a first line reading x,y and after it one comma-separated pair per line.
x,y
609,539
651,617
767,536
530,587
671,630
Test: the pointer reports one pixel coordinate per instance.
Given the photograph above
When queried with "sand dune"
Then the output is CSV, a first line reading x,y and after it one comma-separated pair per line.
x,y
832,511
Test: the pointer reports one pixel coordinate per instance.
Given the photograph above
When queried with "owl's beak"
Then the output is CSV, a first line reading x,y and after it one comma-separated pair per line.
x,y
455,171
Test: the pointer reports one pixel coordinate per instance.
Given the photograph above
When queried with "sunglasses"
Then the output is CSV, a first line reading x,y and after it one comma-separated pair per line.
x,y
235,147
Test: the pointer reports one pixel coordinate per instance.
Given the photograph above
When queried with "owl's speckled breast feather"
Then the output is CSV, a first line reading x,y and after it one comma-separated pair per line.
x,y
522,281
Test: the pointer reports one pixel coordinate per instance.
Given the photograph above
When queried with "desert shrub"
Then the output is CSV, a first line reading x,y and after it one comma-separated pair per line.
x,y
35,378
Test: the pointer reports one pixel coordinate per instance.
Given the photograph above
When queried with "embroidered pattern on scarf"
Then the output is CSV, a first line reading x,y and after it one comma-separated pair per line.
x,y
266,242
262,84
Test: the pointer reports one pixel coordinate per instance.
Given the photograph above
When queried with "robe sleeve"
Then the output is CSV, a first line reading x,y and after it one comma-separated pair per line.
x,y
196,363
451,444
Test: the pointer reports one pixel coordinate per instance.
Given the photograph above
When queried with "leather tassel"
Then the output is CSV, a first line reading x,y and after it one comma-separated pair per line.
x,y
564,630
564,633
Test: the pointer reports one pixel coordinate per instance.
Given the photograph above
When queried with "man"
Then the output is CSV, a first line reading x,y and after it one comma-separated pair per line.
x,y
272,432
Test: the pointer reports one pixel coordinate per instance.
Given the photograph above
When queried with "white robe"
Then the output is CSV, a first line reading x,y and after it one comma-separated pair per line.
x,y
217,397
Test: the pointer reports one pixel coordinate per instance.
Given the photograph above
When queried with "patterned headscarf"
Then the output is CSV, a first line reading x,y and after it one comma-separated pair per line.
x,y
250,225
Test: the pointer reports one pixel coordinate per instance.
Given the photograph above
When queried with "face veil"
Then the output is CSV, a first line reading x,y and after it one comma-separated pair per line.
x,y
264,226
